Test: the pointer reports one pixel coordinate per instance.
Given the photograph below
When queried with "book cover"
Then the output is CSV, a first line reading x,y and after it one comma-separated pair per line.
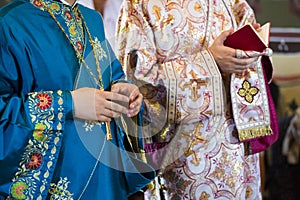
x,y
248,38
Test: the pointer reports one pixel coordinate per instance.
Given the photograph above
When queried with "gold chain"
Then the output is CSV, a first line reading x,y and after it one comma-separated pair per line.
x,y
80,57
78,54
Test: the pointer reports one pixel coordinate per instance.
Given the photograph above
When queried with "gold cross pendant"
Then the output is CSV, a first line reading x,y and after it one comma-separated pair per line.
x,y
108,131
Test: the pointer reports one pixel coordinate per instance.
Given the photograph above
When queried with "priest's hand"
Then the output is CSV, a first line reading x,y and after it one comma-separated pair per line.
x,y
94,104
134,95
225,57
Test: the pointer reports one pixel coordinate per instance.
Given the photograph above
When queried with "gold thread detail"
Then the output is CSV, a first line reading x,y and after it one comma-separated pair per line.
x,y
255,132
81,59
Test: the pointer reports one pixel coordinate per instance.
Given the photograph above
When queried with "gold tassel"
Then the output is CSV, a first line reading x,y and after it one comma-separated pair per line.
x,y
255,132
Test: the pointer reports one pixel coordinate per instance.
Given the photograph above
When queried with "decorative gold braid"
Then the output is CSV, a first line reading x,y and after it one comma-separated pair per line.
x,y
81,59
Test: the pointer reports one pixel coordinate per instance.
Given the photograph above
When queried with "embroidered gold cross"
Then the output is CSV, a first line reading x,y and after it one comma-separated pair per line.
x,y
194,85
162,21
196,140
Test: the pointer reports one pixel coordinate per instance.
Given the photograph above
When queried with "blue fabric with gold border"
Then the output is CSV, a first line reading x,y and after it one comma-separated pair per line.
x,y
44,152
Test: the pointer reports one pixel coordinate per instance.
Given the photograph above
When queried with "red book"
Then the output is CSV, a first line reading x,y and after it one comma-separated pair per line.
x,y
248,38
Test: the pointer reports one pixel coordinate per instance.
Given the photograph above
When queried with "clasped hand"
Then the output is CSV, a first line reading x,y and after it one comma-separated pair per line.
x,y
225,57
94,104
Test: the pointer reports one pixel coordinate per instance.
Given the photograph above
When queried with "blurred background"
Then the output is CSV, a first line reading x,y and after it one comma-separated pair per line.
x,y
281,167
280,171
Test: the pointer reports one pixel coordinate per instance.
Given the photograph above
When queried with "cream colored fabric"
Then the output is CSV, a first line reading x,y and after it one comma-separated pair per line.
x,y
186,97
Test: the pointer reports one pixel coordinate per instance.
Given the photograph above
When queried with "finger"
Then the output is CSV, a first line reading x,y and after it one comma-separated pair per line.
x,y
137,102
115,108
256,25
103,118
134,94
109,113
116,97
133,112
223,36
135,108
244,61
115,88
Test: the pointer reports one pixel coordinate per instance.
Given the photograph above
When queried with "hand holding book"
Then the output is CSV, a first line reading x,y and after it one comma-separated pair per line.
x,y
252,104
250,42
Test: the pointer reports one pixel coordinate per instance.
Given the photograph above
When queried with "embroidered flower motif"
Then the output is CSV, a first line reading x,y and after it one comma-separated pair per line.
x,y
68,15
37,3
247,91
79,46
45,101
100,52
89,125
72,30
38,132
18,189
60,190
54,6
35,161
226,172
35,151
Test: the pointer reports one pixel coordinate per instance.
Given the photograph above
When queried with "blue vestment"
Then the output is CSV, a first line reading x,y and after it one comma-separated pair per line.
x,y
44,152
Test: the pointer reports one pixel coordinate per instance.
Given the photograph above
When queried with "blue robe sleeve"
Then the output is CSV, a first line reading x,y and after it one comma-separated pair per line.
x,y
27,117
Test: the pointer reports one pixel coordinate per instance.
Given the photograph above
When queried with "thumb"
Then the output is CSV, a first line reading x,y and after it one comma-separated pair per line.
x,y
223,36
115,88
